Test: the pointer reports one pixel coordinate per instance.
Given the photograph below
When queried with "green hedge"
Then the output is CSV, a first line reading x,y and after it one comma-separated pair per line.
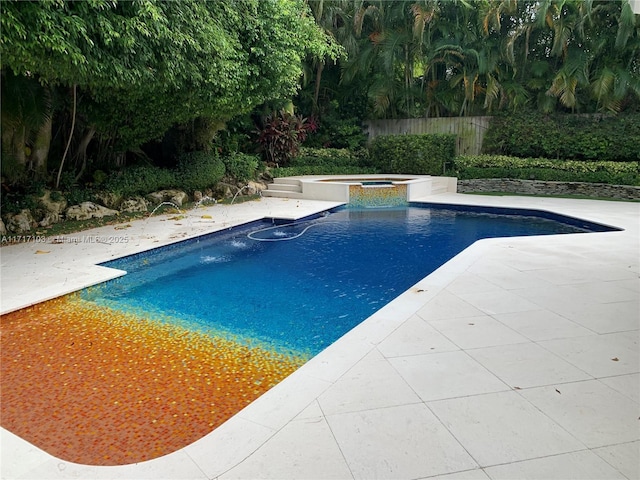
x,y
241,166
426,154
574,137
199,171
140,180
320,170
329,157
500,166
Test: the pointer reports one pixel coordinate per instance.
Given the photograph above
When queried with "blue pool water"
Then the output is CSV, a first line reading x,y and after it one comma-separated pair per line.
x,y
301,286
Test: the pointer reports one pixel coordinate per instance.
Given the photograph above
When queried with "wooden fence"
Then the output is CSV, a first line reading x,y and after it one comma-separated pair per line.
x,y
469,130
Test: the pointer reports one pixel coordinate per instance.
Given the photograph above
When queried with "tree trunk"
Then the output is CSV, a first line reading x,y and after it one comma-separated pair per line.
x,y
73,126
41,144
81,151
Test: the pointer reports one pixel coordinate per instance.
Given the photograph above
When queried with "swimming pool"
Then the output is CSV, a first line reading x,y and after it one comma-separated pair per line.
x,y
300,286
144,365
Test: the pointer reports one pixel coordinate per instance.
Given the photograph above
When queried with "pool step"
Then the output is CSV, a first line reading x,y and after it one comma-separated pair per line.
x,y
284,188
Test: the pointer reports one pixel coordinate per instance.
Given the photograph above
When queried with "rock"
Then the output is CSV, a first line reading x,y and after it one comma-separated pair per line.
x,y
253,188
135,204
87,210
20,222
197,196
109,199
56,207
3,228
53,209
174,196
49,219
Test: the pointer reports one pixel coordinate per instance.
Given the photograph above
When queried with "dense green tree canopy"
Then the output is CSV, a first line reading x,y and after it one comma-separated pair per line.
x,y
142,66
476,57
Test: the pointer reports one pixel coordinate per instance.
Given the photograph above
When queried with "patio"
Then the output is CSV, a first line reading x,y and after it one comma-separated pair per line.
x,y
516,359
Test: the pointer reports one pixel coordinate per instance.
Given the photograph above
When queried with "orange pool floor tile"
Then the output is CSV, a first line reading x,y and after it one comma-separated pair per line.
x,y
96,386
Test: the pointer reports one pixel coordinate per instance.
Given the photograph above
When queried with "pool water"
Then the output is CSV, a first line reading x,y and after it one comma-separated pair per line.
x,y
301,286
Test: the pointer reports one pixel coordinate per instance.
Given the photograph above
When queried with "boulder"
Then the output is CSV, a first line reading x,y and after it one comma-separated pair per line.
x,y
20,222
53,206
197,196
87,210
253,188
49,219
109,199
3,228
177,197
134,204
53,209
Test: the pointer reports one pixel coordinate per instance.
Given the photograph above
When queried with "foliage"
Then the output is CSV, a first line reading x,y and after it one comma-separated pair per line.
x,y
500,166
141,67
334,157
416,154
198,171
140,180
594,137
320,170
241,166
414,58
281,136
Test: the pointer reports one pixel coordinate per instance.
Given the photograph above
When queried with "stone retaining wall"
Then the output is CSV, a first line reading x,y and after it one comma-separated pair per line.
x,y
536,187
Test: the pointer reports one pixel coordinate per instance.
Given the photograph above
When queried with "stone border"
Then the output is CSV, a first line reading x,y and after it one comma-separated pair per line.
x,y
537,187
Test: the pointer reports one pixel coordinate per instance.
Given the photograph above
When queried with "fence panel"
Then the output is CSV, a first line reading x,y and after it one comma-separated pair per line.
x,y
469,130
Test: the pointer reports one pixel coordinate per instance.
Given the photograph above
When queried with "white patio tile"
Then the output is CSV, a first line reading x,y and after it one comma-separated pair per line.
x,y
175,466
499,302
569,275
583,465
470,283
509,278
477,474
447,305
398,443
415,337
304,448
502,427
284,401
594,413
527,365
227,445
371,383
599,355
446,375
477,332
625,457
628,385
540,325
602,317
606,292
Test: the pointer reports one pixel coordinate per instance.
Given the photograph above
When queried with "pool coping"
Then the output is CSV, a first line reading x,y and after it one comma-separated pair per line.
x,y
268,415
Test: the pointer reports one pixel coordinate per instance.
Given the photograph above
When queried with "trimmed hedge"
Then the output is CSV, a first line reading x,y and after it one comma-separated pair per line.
x,y
500,166
140,180
241,166
333,157
426,154
199,171
320,170
574,137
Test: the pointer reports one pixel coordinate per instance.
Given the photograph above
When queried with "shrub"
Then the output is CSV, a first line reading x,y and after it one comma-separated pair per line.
x,y
241,166
575,137
320,170
282,135
500,166
326,156
198,171
426,154
140,180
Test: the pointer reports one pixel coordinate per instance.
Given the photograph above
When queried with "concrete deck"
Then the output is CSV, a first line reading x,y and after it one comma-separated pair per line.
x,y
516,359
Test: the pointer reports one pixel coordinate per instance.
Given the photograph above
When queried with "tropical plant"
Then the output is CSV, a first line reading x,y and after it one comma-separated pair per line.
x,y
281,136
